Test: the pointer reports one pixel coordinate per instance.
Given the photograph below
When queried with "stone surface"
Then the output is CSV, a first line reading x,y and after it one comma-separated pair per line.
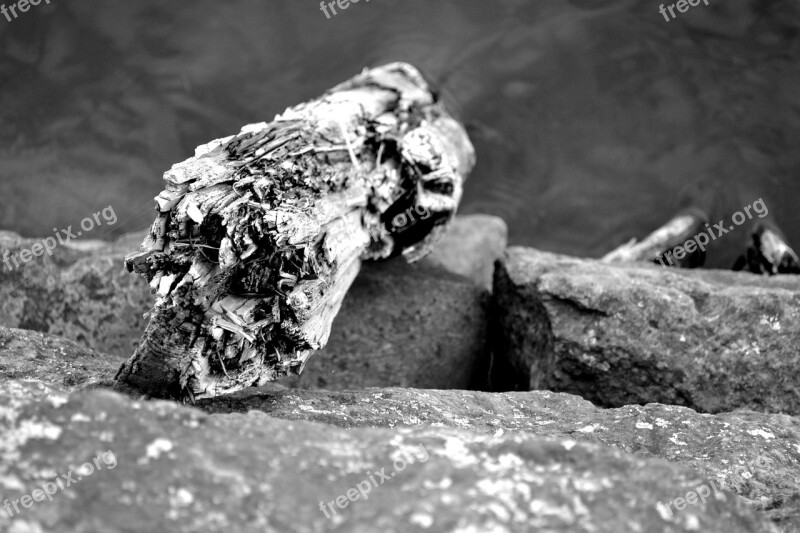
x,y
81,293
754,455
714,445
157,466
31,355
407,326
471,246
623,334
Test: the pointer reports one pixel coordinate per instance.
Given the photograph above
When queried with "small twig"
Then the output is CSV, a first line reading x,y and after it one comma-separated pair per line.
x,y
349,146
222,363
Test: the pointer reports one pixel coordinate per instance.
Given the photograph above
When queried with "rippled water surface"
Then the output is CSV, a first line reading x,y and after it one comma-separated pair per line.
x,y
594,121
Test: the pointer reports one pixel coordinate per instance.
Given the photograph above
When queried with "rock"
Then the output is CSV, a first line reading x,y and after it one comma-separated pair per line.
x,y
471,246
31,355
406,326
157,466
714,445
754,455
81,293
623,334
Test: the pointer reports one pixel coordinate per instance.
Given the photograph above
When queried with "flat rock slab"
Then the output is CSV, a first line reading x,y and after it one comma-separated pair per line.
x,y
623,334
754,455
156,466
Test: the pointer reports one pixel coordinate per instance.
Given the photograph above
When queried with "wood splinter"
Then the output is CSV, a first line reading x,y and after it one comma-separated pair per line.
x,y
260,235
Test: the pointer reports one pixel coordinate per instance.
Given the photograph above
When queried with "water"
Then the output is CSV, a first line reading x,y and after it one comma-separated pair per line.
x,y
594,121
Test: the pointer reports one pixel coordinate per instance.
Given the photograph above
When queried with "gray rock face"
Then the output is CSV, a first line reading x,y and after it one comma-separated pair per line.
x,y
408,326
617,334
130,466
31,355
472,244
754,455
81,293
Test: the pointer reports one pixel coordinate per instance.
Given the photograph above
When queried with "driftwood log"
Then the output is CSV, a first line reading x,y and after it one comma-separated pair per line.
x,y
769,253
658,247
259,236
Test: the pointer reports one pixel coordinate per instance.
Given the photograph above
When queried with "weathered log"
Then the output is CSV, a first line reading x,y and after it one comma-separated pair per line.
x,y
260,234
769,253
658,246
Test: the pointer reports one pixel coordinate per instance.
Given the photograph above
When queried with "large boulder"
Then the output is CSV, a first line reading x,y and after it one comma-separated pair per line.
x,y
80,292
406,326
754,455
471,246
113,464
32,355
622,334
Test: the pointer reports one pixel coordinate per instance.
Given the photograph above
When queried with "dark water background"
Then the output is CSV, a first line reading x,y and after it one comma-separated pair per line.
x,y
594,121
